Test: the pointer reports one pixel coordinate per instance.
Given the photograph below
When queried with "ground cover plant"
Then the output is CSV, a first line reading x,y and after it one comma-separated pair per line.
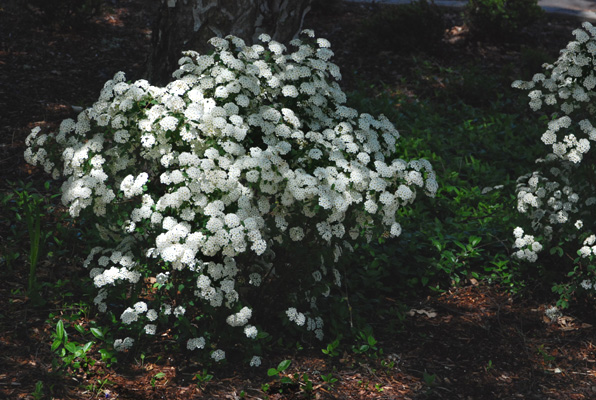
x,y
442,311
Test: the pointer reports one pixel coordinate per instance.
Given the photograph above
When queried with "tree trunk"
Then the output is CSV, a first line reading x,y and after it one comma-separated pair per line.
x,y
189,24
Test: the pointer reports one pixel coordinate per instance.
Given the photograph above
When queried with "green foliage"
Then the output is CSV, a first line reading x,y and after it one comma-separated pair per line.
x,y
406,28
287,382
203,378
280,368
31,210
98,386
38,394
368,344
464,232
71,354
500,19
332,349
430,380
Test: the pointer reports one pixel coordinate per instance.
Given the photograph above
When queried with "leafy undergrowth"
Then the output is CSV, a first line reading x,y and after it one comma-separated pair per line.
x,y
460,319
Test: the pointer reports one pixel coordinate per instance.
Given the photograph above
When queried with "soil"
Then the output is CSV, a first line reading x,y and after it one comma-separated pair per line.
x,y
475,341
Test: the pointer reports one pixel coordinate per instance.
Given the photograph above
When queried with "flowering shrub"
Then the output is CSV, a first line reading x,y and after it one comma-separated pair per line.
x,y
207,191
558,198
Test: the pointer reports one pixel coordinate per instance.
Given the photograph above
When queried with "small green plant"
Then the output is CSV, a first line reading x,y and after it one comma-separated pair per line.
x,y
456,261
388,364
547,358
29,207
332,349
329,379
369,345
159,376
98,387
71,354
298,381
430,380
38,393
265,387
489,366
203,378
305,383
277,372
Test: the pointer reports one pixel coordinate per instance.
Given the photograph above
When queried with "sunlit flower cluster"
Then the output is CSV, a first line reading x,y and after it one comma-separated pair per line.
x,y
527,245
249,149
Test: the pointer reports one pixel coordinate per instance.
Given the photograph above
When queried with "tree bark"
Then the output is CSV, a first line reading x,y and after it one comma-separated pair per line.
x,y
189,24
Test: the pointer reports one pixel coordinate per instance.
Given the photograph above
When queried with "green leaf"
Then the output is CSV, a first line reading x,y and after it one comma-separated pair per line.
x,y
272,372
60,332
286,380
87,346
97,333
70,346
283,365
56,344
371,341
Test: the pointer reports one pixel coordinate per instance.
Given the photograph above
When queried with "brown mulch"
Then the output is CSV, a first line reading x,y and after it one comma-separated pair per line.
x,y
472,342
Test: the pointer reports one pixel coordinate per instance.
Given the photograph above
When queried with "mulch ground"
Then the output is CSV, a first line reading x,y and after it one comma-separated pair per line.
x,y
473,342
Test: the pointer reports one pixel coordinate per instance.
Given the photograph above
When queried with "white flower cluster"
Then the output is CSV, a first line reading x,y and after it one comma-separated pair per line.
x,y
527,245
123,344
588,249
569,84
559,199
218,355
195,343
553,313
548,201
232,157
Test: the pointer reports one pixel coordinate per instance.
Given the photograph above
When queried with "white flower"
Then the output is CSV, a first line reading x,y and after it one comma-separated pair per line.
x,y
295,316
195,343
123,344
179,311
152,315
586,284
255,361
129,316
240,318
150,329
169,123
290,91
140,307
250,331
296,233
255,279
218,355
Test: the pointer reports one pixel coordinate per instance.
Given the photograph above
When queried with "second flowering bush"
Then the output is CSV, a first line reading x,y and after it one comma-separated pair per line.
x,y
559,197
196,190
